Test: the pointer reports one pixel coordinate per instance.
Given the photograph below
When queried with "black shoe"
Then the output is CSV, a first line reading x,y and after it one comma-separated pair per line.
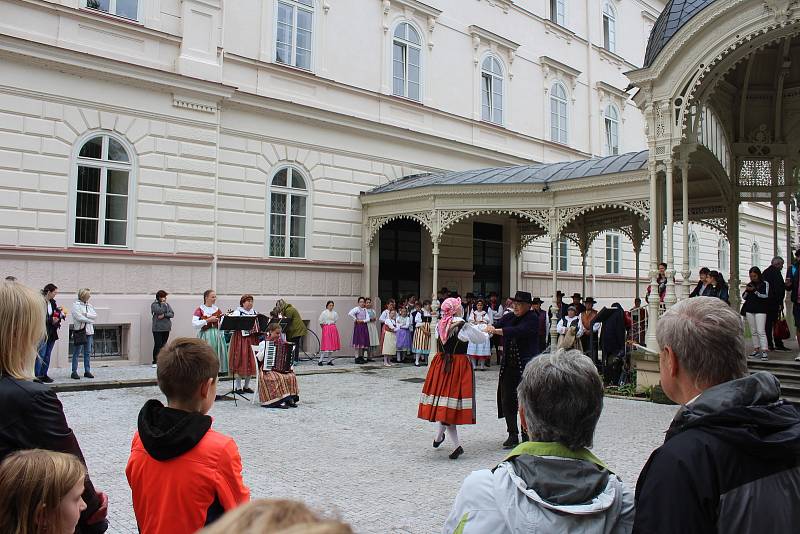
x,y
456,453
292,404
330,362
247,390
524,437
511,442
370,360
781,348
87,374
321,363
46,379
437,443
75,376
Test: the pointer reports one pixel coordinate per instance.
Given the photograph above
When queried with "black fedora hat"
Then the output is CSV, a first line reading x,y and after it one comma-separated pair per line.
x,y
559,293
537,300
523,296
576,295
589,300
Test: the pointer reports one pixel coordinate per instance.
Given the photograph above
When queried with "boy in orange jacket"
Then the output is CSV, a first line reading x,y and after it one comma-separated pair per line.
x,y
182,474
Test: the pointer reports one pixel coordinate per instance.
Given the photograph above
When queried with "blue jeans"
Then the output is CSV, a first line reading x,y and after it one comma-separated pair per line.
x,y
87,350
43,361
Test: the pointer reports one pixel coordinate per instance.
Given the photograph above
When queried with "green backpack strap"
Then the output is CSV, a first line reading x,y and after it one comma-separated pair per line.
x,y
540,448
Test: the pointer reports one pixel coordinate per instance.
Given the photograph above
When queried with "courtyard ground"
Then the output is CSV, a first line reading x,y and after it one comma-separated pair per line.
x,y
353,448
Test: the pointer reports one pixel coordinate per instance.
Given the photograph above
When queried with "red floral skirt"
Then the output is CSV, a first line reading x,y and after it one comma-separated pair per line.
x,y
449,397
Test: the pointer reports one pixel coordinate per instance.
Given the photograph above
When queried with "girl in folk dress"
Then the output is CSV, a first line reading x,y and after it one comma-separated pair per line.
x,y
330,334
567,323
448,393
372,327
360,331
480,352
240,353
389,344
277,385
404,328
206,320
422,333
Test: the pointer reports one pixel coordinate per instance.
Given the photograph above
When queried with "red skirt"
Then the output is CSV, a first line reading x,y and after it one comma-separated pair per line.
x,y
240,355
449,397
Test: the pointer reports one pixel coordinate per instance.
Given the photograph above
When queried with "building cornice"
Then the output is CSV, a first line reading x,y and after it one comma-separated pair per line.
x,y
414,5
486,35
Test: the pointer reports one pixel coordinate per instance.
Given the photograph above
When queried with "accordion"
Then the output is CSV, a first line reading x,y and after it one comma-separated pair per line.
x,y
282,359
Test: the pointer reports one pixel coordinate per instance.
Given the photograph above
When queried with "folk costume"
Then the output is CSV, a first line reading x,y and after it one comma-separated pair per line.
x,y
277,383
612,341
520,345
374,335
389,342
404,327
240,352
330,336
481,352
421,345
590,338
360,331
567,337
448,393
210,333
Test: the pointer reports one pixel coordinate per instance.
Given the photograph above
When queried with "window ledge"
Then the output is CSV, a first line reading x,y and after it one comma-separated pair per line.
x,y
111,16
613,58
559,31
293,68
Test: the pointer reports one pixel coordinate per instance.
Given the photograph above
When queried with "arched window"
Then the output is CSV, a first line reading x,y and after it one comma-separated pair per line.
x,y
492,90
407,62
609,28
102,191
288,207
694,252
755,255
294,35
558,114
558,11
611,122
723,255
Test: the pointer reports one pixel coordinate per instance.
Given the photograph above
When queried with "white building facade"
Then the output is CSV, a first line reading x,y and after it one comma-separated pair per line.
x,y
193,144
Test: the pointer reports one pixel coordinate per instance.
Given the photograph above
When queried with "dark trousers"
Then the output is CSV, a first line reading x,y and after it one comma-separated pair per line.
x,y
159,340
296,348
772,317
43,361
508,392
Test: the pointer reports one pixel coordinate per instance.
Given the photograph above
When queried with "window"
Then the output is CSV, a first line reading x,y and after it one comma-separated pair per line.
x,y
562,255
694,252
102,189
288,201
492,90
558,11
294,33
128,9
723,255
609,28
611,121
755,255
107,342
612,254
558,114
406,62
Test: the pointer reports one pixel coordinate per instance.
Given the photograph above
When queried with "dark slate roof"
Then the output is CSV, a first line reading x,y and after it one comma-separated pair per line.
x,y
540,173
675,15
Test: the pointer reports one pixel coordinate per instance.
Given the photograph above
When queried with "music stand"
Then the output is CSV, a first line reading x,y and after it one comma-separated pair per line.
x,y
237,322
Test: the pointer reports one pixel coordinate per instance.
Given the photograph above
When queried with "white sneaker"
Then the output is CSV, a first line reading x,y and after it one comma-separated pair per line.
x,y
154,365
797,358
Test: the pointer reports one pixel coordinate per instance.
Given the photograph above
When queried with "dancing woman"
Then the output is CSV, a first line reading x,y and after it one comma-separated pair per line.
x,y
205,320
448,393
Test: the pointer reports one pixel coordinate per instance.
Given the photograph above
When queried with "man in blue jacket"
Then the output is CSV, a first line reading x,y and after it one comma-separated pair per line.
x,y
520,332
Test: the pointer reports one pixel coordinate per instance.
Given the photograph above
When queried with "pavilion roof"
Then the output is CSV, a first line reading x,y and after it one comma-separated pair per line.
x,y
539,173
675,15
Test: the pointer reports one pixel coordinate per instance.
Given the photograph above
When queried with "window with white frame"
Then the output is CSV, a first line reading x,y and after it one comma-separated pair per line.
x,y
755,255
558,114
558,12
128,9
561,258
694,252
288,208
612,254
407,62
293,38
102,190
609,27
611,125
492,90
723,255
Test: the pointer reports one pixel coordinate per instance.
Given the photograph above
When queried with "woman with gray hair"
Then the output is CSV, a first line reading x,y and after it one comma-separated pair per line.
x,y
83,317
552,483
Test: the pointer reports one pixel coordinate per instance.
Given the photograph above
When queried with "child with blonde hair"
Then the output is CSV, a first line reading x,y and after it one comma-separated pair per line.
x,y
275,516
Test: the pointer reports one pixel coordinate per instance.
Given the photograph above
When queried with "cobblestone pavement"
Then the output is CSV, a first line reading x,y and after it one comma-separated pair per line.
x,y
354,447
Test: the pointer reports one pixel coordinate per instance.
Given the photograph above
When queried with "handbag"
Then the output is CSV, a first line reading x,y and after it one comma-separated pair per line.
x,y
780,330
79,336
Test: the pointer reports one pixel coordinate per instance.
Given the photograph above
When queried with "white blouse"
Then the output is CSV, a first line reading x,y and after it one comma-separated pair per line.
x,y
358,313
239,313
565,323
328,317
470,333
480,317
208,311
390,324
403,322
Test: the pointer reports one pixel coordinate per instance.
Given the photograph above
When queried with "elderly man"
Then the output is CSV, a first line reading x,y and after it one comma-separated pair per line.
x,y
552,483
520,331
731,458
777,291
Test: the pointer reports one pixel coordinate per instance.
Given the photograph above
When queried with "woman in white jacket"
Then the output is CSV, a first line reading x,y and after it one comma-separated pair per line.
x,y
83,318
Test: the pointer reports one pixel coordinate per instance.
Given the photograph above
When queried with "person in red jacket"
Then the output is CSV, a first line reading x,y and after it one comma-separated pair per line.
x,y
183,475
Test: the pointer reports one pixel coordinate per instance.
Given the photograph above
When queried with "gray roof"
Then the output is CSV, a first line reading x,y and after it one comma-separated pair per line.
x,y
540,173
675,15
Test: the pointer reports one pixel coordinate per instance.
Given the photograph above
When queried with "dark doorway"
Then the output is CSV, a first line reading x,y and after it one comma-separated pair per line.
x,y
487,258
400,249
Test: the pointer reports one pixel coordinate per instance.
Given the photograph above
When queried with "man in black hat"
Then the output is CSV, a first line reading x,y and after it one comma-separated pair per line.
x,y
576,302
590,338
520,331
541,315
